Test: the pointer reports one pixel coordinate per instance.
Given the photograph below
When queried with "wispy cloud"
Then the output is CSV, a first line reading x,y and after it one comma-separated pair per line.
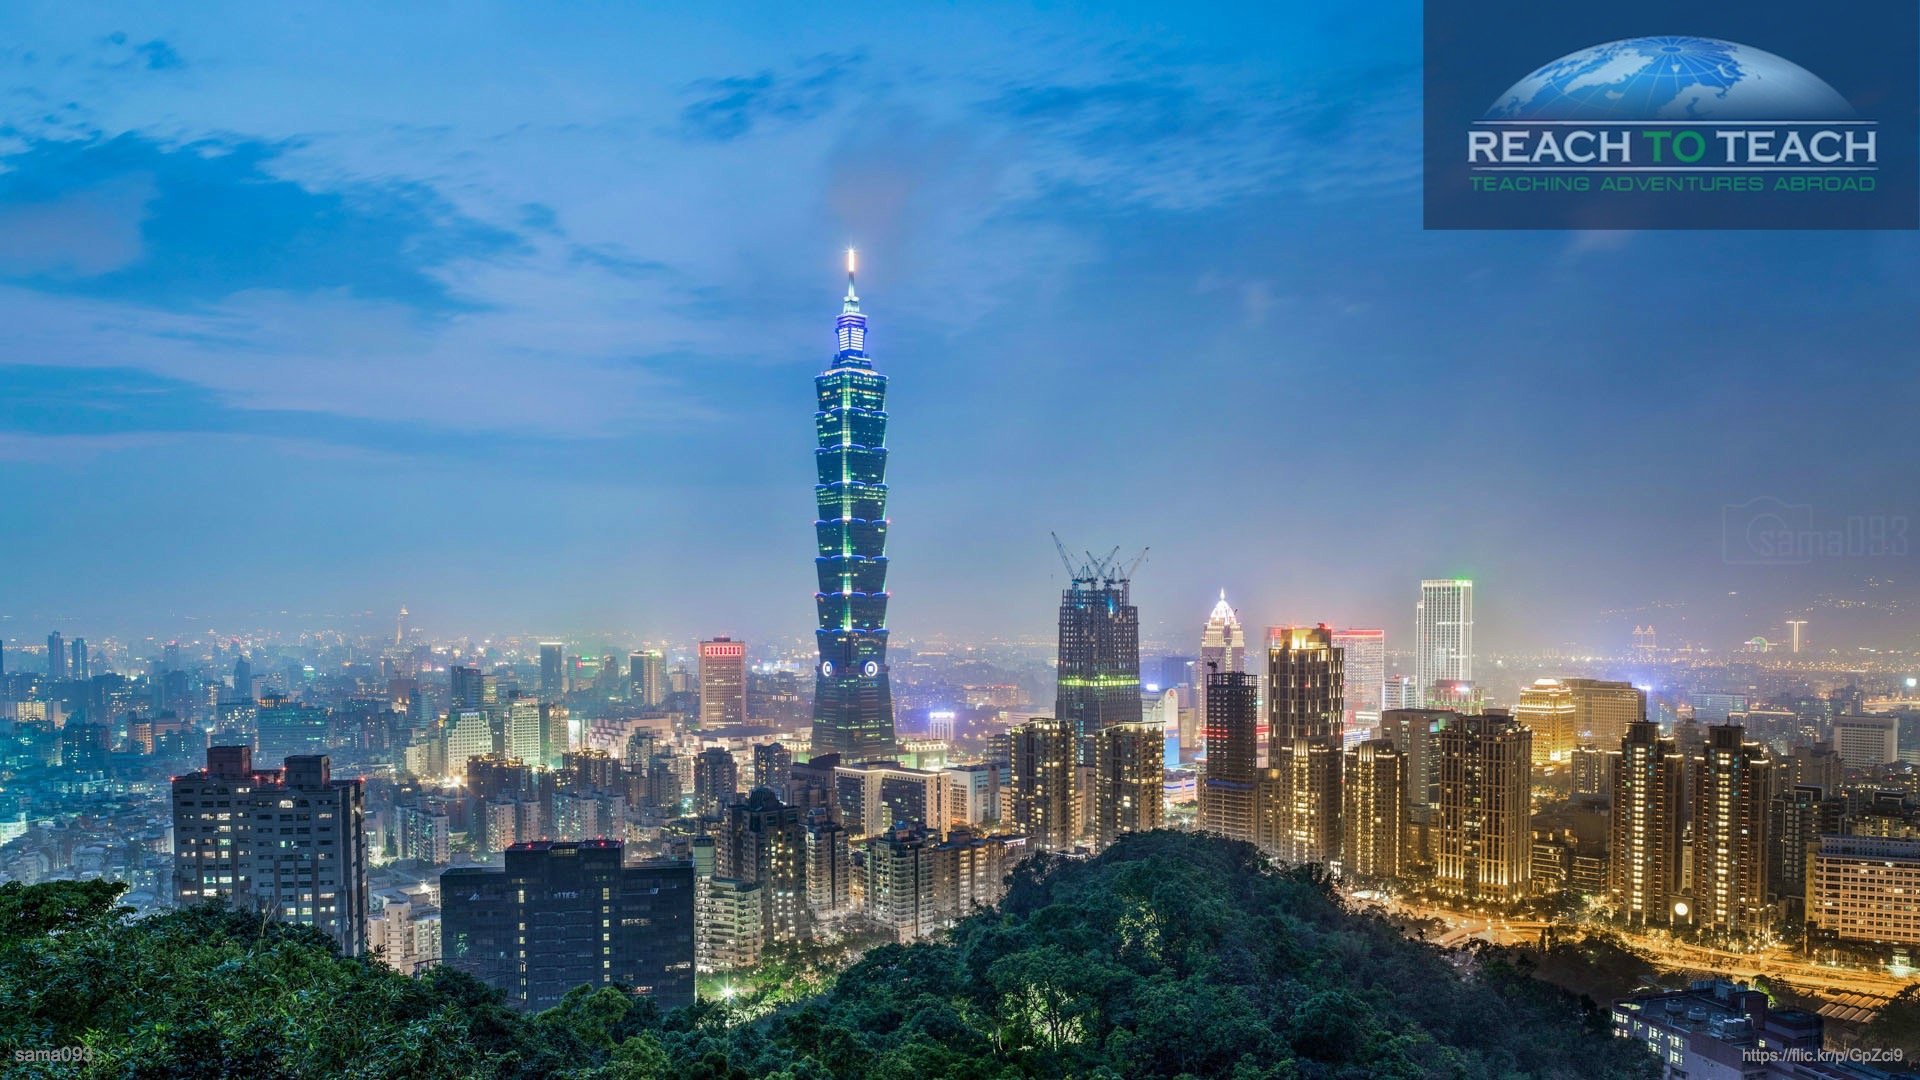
x,y
729,108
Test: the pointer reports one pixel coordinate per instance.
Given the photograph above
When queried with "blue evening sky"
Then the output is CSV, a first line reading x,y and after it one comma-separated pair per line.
x,y
508,313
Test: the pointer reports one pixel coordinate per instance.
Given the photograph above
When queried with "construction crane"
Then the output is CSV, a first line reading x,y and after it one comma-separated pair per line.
x,y
1097,569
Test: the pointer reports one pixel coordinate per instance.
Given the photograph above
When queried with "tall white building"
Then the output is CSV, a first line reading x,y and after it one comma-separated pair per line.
x,y
1443,633
1224,645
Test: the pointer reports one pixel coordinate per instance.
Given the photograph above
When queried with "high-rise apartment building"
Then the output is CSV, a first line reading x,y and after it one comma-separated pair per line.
x,y
852,698
716,781
1128,780
80,667
565,914
1482,834
289,843
764,843
1644,822
56,657
1373,810
1443,634
1042,767
1305,680
1228,780
723,682
1364,662
1731,786
1098,682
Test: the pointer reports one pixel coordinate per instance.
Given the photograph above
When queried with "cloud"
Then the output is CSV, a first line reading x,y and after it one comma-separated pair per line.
x,y
185,224
731,108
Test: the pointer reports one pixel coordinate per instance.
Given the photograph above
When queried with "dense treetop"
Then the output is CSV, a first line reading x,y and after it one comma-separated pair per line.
x,y
1169,955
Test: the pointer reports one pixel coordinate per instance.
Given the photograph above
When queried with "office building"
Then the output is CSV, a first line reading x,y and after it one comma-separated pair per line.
x,y
466,688
1223,647
1443,635
1547,708
80,668
568,914
288,729
1731,785
1863,888
1602,710
1644,826
1864,742
647,671
1042,771
1227,784
1373,810
853,697
1128,779
553,671
289,843
1364,665
723,683
1305,680
1098,681
1482,832
56,657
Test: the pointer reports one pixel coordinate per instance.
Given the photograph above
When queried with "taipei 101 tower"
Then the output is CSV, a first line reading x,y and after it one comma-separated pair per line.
x,y
852,700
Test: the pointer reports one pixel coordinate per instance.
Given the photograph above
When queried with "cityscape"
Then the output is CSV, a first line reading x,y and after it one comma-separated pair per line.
x,y
1481,716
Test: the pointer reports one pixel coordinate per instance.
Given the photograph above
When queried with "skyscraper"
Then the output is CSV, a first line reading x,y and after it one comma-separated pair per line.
x,y
1042,770
1223,645
1443,634
1305,680
1483,839
852,697
1547,708
1364,653
723,682
1643,870
1731,784
1099,651
80,668
553,672
1227,785
56,657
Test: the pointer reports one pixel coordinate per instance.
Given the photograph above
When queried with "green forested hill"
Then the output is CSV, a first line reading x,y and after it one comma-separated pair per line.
x,y
1169,955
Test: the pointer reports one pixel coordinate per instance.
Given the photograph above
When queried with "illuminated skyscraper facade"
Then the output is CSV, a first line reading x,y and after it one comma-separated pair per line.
x,y
1731,783
852,699
1227,784
1482,842
1443,635
1644,827
723,682
1129,780
1305,683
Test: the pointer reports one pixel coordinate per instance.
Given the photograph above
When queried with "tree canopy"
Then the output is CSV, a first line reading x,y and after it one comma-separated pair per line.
x,y
1170,955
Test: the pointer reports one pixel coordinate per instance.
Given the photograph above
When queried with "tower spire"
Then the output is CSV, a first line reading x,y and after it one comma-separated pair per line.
x,y
853,298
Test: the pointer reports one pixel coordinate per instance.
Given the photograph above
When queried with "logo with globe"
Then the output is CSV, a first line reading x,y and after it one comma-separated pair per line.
x,y
1671,79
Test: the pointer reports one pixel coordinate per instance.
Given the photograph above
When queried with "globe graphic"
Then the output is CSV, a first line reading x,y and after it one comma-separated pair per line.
x,y
1671,78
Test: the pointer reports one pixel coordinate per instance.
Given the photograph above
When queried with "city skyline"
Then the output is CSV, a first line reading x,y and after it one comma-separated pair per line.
x,y
309,301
